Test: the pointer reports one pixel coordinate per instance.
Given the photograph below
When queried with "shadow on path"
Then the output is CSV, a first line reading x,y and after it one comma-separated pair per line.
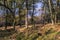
x,y
6,33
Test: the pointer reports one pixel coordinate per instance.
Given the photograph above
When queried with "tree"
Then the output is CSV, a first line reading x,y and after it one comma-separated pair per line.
x,y
51,7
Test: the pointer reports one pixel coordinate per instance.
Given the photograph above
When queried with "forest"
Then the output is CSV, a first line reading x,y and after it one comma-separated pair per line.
x,y
29,19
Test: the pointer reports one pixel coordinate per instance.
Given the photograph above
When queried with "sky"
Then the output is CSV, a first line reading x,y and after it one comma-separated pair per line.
x,y
37,11
38,8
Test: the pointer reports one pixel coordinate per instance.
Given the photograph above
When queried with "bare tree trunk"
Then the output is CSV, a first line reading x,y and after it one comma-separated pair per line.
x,y
55,17
19,17
56,12
50,7
26,21
5,14
26,16
32,17
14,17
45,8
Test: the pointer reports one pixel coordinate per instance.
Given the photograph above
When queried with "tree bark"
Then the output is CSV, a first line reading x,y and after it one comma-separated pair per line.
x,y
26,16
19,17
50,7
14,17
5,14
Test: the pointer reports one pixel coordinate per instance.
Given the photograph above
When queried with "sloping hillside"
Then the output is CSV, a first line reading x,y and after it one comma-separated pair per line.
x,y
46,32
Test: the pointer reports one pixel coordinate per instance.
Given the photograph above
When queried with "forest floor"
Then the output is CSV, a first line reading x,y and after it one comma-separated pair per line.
x,y
11,34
